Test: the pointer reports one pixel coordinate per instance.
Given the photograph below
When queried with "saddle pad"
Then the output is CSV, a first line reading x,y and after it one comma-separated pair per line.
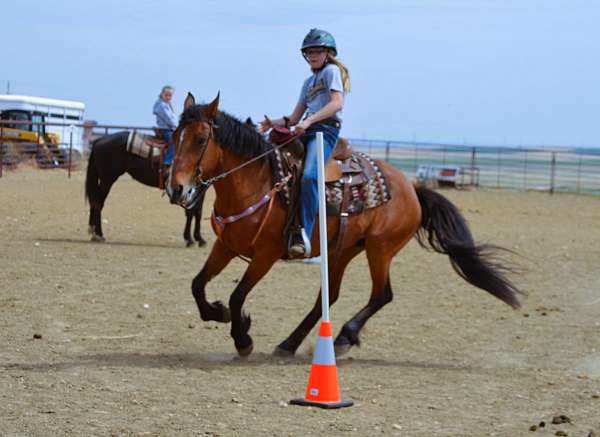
x,y
366,186
361,179
138,146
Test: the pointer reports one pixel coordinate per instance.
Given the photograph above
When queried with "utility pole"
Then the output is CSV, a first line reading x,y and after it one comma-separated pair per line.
x,y
8,87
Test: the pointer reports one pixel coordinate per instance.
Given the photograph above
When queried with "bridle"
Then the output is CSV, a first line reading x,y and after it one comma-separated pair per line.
x,y
206,183
220,222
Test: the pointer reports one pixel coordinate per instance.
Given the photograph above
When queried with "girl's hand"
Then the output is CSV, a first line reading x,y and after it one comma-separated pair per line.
x,y
301,127
264,125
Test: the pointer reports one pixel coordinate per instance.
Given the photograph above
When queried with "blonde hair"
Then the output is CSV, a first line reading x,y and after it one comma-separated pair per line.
x,y
345,74
165,88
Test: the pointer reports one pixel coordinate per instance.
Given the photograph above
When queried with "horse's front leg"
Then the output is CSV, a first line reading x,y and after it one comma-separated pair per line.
x,y
240,322
218,259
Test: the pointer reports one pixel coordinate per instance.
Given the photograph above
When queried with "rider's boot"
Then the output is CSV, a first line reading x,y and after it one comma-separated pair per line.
x,y
300,245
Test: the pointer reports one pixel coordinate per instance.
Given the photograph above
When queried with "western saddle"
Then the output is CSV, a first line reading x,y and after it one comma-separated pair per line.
x,y
353,181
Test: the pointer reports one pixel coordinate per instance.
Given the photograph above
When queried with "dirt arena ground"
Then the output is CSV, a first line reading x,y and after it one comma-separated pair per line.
x,y
123,352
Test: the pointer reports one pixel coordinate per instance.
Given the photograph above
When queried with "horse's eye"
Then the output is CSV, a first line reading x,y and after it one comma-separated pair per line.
x,y
202,140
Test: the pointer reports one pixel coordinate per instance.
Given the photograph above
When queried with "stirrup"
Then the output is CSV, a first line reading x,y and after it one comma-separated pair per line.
x,y
300,249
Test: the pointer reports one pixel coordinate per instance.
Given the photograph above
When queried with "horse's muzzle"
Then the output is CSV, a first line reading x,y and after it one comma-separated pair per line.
x,y
185,196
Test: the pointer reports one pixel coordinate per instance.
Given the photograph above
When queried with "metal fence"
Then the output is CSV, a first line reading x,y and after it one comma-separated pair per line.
x,y
61,155
556,169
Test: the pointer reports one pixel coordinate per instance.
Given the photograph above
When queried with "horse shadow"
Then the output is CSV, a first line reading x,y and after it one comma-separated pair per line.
x,y
210,361
108,243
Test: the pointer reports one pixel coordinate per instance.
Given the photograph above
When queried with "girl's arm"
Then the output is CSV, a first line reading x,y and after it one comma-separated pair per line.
x,y
329,110
293,119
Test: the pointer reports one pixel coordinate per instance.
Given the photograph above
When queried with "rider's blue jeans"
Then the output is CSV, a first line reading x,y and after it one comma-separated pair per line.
x,y
170,153
309,188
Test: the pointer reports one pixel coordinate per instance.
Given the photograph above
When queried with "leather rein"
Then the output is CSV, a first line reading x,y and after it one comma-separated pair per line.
x,y
208,182
218,221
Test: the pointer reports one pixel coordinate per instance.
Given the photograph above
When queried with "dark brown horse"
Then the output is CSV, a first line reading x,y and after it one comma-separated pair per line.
x,y
108,160
209,143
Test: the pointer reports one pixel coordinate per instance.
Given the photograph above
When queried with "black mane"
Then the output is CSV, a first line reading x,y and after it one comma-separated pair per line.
x,y
232,134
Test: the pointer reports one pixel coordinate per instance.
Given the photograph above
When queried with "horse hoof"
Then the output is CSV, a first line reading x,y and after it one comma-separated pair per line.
x,y
282,353
342,349
189,243
225,315
97,238
245,351
201,243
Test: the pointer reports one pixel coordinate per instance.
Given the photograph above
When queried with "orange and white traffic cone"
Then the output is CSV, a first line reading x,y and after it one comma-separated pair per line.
x,y
323,390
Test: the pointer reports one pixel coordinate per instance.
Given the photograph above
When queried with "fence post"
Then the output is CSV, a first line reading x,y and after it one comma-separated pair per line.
x,y
579,175
473,151
387,151
70,149
552,172
499,166
525,172
416,156
1,148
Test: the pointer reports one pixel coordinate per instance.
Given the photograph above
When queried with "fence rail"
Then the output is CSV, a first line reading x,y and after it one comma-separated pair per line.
x,y
554,169
61,155
559,169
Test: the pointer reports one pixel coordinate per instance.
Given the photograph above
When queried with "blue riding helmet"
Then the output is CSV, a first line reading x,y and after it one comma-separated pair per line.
x,y
318,38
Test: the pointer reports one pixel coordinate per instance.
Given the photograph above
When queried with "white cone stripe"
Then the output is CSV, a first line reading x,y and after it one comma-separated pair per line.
x,y
324,353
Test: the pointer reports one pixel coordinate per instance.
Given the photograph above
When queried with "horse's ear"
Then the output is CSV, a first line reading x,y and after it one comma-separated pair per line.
x,y
213,107
189,101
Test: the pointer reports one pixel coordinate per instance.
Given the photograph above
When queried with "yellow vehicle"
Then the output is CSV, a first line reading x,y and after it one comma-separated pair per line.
x,y
43,141
26,132
31,139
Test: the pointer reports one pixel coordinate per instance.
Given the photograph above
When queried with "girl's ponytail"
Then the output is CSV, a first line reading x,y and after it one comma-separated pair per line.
x,y
344,70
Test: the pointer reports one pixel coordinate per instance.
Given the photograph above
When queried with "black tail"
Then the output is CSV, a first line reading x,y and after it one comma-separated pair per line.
x,y
92,179
447,232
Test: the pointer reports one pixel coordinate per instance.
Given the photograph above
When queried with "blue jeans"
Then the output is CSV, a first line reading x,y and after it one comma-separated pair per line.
x,y
170,153
309,192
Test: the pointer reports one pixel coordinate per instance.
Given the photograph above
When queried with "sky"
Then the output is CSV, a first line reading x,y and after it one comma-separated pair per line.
x,y
503,72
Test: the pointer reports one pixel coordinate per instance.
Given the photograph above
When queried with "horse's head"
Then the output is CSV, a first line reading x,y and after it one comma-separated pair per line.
x,y
196,154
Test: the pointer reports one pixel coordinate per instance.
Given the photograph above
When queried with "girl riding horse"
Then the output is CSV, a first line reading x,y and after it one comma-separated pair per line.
x,y
213,148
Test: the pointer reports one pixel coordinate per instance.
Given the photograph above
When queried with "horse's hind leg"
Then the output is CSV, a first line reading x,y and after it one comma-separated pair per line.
x,y
289,346
218,259
96,205
189,216
381,294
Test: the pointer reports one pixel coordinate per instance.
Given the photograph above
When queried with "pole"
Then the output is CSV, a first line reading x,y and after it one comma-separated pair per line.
x,y
578,175
525,172
499,166
70,150
1,148
323,229
473,166
323,389
552,172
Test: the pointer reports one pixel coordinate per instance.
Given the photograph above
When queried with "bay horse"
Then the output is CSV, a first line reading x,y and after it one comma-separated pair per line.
x,y
108,160
210,145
